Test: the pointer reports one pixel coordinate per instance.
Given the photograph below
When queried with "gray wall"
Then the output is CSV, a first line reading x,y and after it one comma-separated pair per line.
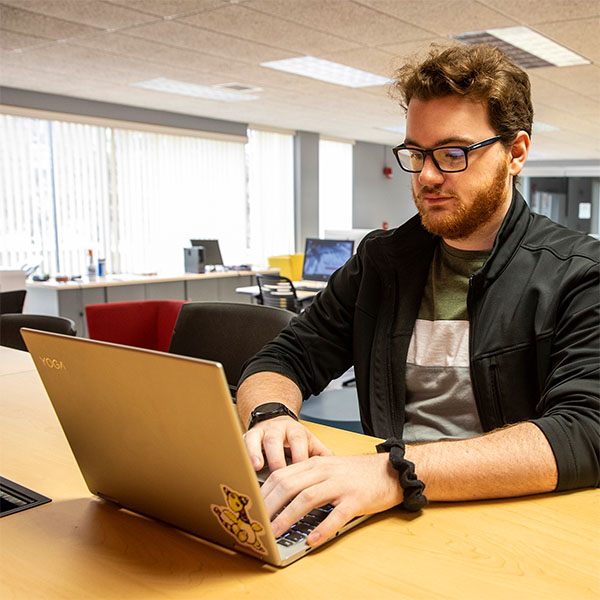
x,y
306,187
376,198
121,112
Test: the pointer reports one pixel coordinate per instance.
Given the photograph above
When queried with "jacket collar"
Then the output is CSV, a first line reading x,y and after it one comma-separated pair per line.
x,y
412,240
507,242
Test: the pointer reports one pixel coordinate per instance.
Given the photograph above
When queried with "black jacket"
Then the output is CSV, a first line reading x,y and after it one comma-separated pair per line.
x,y
534,311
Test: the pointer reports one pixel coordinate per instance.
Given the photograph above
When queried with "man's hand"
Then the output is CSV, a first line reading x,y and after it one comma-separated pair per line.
x,y
354,485
274,435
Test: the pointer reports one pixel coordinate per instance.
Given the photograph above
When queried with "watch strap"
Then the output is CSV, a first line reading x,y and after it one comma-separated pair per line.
x,y
269,410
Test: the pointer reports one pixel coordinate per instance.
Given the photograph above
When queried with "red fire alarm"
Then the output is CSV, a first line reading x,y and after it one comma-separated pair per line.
x,y
387,171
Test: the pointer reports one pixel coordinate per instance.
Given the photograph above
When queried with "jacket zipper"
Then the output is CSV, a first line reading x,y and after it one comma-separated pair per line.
x,y
474,381
496,395
494,401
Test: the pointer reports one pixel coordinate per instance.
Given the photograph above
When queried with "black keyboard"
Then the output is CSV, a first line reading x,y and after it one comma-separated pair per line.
x,y
300,530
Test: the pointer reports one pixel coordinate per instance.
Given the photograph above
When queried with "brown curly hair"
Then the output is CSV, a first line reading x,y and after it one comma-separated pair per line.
x,y
479,72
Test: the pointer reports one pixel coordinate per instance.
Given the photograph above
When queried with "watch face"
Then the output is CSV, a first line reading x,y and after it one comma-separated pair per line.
x,y
269,407
269,410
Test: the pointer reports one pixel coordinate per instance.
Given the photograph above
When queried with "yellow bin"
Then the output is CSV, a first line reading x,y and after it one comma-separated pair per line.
x,y
289,265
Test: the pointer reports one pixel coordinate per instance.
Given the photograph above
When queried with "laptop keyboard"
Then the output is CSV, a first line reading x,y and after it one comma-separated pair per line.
x,y
300,530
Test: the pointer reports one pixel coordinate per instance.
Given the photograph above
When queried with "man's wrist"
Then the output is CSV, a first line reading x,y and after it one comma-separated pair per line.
x,y
269,410
412,487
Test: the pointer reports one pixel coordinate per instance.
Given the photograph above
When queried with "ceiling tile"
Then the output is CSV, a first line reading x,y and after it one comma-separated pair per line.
x,y
88,12
580,35
372,60
215,68
583,79
169,8
545,11
546,91
29,23
565,122
443,17
343,18
9,40
238,21
75,61
218,41
203,40
43,81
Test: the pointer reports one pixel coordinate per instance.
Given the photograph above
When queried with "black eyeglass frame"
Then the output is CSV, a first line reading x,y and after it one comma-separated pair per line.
x,y
426,153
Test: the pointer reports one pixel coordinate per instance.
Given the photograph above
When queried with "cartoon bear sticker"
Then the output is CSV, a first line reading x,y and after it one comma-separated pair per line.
x,y
234,517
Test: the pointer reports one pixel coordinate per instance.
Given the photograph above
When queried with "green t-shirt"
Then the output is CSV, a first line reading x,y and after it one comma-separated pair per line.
x,y
439,400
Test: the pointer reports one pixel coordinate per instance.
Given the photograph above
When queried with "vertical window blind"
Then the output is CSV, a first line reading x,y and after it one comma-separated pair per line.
x,y
270,158
335,185
136,197
27,227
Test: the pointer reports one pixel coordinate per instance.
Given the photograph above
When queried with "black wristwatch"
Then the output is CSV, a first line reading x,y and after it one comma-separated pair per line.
x,y
269,410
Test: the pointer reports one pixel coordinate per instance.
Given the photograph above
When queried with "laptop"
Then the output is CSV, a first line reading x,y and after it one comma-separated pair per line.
x,y
321,259
158,434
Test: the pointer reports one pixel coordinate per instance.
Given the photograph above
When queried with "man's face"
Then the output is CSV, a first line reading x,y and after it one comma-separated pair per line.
x,y
457,205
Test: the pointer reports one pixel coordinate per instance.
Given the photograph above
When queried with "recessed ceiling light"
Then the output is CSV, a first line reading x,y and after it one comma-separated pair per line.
x,y
526,47
541,127
238,87
171,86
325,70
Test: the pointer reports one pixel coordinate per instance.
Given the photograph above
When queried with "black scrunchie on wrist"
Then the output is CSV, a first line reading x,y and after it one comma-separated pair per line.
x,y
414,500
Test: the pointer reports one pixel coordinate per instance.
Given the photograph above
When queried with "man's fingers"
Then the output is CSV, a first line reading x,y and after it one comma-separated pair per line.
x,y
253,440
298,446
273,444
306,501
318,448
335,520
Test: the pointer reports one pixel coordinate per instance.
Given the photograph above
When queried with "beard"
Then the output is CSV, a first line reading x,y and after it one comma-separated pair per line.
x,y
462,221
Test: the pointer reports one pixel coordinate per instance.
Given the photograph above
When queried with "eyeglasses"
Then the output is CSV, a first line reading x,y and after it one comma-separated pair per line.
x,y
448,159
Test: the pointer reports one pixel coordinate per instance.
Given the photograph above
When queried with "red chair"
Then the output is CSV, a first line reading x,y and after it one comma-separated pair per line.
x,y
144,324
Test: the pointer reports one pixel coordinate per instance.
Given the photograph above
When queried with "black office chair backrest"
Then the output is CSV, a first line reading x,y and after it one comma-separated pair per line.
x,y
10,327
12,302
226,332
278,291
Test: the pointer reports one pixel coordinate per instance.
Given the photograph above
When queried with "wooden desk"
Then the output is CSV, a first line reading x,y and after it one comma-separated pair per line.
x,y
546,547
14,361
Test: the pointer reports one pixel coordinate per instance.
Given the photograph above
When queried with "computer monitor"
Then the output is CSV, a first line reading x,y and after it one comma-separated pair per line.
x,y
347,234
323,257
212,252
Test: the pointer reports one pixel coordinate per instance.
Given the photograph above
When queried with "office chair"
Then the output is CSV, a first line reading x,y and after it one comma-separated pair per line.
x,y
278,291
12,302
226,332
143,324
10,327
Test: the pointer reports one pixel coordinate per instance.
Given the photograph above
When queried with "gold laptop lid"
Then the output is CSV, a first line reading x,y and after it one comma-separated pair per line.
x,y
156,433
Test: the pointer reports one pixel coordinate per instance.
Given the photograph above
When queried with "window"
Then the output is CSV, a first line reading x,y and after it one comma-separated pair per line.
x,y
27,230
170,189
335,185
270,193
137,197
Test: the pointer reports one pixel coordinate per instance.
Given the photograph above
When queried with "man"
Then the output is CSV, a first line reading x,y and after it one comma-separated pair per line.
x,y
473,328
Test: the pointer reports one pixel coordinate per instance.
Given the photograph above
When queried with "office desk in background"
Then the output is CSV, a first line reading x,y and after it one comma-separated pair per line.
x,y
254,291
69,299
544,547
